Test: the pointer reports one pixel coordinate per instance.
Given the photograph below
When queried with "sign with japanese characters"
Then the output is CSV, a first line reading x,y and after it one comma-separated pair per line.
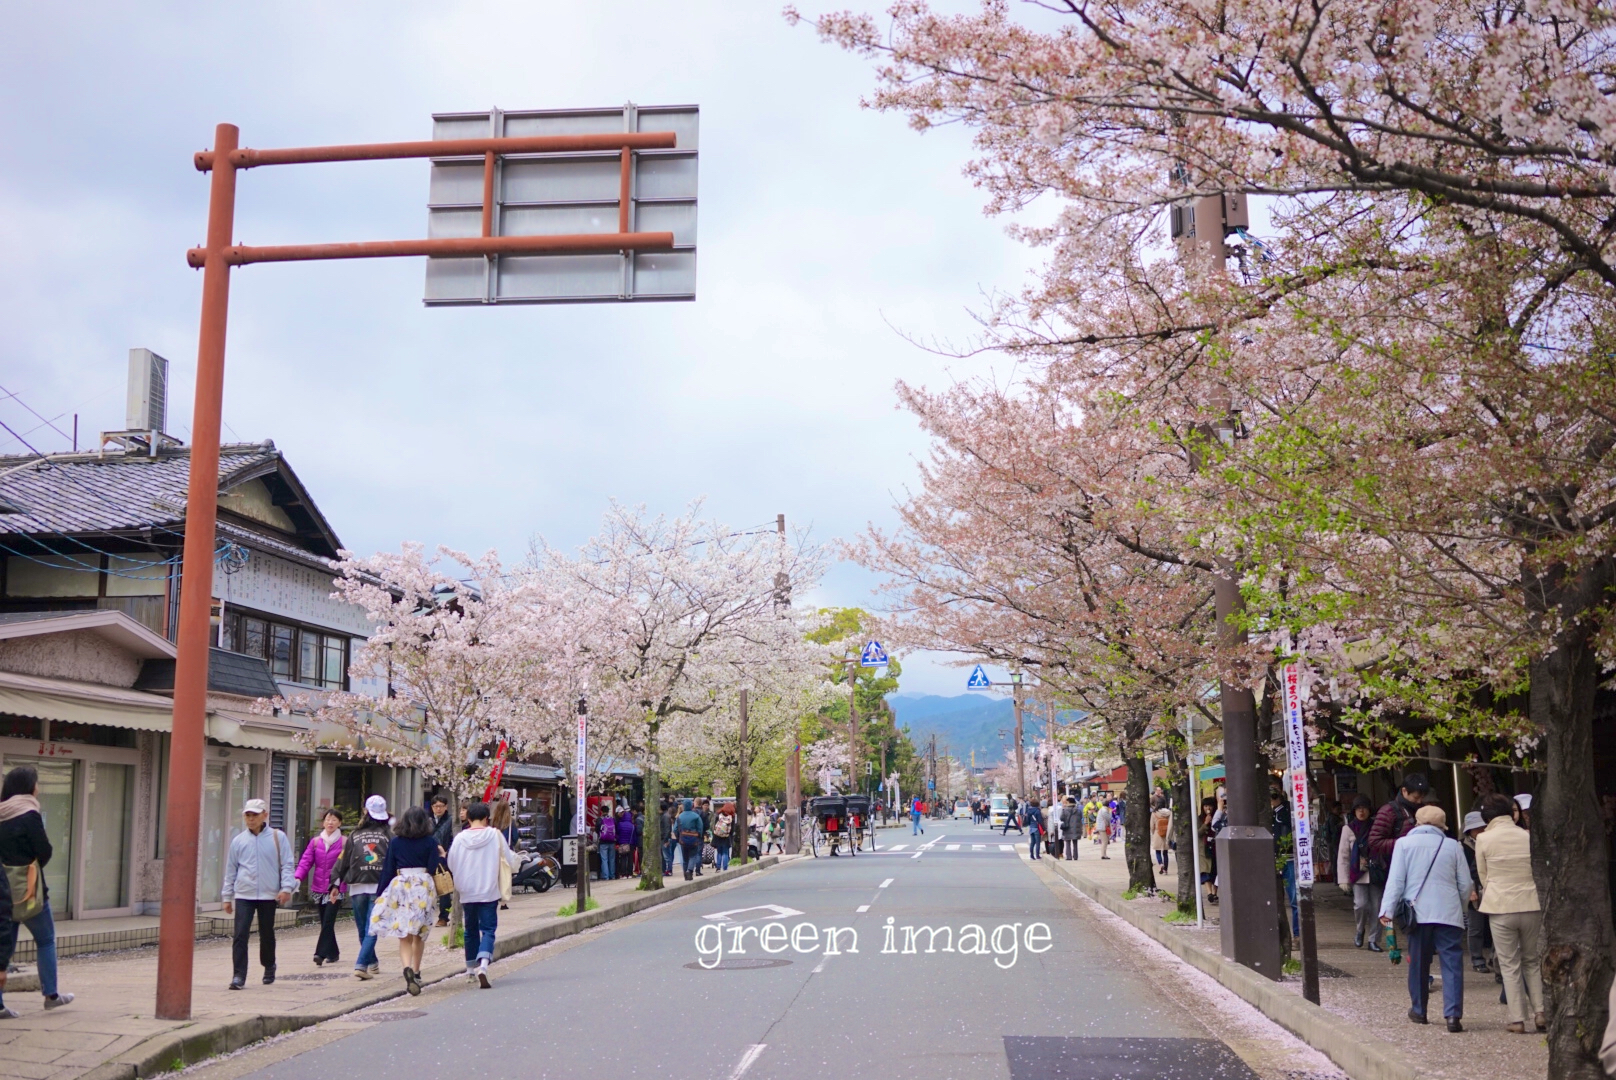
x,y
1296,760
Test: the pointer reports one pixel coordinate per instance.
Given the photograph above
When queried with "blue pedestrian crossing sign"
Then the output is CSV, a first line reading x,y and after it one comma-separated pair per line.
x,y
873,655
979,679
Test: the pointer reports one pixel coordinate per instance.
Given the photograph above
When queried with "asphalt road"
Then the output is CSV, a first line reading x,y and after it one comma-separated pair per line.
x,y
1046,993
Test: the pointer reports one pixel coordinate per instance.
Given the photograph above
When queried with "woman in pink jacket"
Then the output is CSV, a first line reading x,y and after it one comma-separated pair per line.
x,y
319,857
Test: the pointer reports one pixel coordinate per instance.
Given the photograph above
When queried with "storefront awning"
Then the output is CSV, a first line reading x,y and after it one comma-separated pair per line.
x,y
83,703
1211,772
255,732
543,774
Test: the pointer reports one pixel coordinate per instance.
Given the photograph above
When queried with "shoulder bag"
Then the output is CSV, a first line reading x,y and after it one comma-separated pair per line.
x,y
27,893
1403,912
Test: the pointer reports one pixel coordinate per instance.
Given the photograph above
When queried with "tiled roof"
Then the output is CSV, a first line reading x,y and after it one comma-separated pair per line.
x,y
83,493
228,673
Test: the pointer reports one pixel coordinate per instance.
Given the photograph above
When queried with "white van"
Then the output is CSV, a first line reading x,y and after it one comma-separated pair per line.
x,y
998,809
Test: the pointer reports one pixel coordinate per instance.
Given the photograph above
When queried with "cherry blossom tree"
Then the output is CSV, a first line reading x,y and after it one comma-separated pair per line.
x,y
1399,405
694,614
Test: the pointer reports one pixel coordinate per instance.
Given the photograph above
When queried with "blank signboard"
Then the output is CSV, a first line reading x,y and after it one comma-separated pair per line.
x,y
540,194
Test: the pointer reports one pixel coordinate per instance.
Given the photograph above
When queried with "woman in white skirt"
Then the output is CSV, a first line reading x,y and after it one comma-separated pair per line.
x,y
406,899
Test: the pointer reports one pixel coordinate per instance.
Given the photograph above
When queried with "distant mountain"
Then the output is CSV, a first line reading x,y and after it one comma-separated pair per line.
x,y
964,722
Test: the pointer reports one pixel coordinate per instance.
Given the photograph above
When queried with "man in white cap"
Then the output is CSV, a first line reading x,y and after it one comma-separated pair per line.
x,y
257,879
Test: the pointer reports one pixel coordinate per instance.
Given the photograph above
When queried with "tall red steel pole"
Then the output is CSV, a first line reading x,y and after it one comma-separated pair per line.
x,y
176,940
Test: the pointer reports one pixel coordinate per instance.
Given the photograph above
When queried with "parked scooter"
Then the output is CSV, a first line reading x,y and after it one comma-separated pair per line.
x,y
539,871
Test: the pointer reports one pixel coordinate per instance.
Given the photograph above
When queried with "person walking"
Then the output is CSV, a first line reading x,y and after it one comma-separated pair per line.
x,y
25,850
1102,827
1033,818
403,907
257,880
1428,871
1071,827
1509,901
1478,936
670,814
316,866
915,827
687,828
628,836
723,832
8,943
1161,825
1012,816
443,834
475,860
606,836
1352,872
1207,837
503,820
358,871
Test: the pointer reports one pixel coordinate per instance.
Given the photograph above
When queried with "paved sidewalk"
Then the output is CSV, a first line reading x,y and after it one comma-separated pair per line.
x,y
1366,989
112,1014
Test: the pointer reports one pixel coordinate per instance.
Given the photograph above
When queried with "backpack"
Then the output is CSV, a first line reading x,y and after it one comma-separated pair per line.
x,y
721,825
608,829
1161,824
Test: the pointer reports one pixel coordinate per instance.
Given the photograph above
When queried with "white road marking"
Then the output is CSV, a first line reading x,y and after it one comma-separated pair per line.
x,y
979,847
899,847
951,847
918,854
772,911
1007,847
885,883
820,966
751,1055
863,908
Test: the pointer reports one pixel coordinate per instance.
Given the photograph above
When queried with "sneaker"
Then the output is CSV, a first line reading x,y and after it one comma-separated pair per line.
x,y
8,1013
58,1001
1540,1022
482,975
412,982
471,972
237,984
363,973
1517,1028
375,969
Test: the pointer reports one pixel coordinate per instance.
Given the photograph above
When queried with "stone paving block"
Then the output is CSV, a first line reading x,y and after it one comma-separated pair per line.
x,y
68,1039
43,1055
27,1070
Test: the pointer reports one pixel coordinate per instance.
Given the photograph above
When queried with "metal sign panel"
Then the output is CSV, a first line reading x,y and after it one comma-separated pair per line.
x,y
873,655
570,193
979,679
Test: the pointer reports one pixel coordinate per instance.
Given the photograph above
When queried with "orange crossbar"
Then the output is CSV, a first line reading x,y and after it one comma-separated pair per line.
x,y
446,247
247,158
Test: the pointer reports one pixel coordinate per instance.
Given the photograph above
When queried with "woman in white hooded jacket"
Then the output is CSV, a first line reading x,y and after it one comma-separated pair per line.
x,y
474,860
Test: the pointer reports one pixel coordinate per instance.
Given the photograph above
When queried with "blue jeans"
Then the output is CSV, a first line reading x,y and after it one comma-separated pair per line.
x,y
914,822
482,919
362,903
608,860
720,857
43,929
1437,941
1034,842
690,855
667,856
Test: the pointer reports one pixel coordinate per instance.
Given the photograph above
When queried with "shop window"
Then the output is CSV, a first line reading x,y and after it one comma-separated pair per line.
x,y
92,734
18,727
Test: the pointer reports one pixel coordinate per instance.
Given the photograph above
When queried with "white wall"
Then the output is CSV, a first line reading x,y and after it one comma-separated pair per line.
x,y
279,586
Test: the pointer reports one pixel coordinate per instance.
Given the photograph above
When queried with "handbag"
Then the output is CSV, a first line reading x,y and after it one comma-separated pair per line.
x,y
1403,912
27,891
443,881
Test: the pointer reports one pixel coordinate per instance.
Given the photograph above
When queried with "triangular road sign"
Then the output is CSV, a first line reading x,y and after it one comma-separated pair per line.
x,y
873,655
979,679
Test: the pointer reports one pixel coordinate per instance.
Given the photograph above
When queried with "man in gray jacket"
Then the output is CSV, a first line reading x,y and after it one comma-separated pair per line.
x,y
257,879
1429,871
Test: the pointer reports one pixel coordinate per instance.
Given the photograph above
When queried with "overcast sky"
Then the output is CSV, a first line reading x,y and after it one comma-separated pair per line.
x,y
828,236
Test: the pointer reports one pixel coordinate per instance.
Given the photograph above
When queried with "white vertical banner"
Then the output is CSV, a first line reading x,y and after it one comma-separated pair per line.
x,y
1296,759
581,816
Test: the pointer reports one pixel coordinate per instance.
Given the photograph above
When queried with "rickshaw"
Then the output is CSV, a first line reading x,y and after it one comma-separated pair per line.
x,y
838,819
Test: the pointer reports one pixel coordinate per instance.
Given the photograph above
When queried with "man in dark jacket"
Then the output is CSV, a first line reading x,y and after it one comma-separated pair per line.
x,y
443,833
1395,820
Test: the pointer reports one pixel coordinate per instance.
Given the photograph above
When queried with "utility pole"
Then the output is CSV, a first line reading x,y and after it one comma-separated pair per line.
x,y
1250,915
1021,764
782,605
743,790
852,725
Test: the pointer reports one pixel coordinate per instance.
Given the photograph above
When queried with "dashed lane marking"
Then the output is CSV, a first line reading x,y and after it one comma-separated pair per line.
x,y
862,908
951,847
885,883
751,1055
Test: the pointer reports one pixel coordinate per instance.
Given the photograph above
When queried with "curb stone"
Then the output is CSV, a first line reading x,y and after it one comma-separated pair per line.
x,y
1358,1053
196,1043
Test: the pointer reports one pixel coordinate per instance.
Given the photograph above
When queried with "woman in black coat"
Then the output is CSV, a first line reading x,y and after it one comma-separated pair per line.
x,y
25,850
